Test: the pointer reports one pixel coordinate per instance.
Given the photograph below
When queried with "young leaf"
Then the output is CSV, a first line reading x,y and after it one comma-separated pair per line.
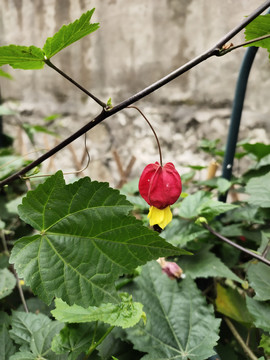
x,y
205,264
68,34
7,283
22,57
180,325
265,344
260,311
259,190
126,314
259,27
86,240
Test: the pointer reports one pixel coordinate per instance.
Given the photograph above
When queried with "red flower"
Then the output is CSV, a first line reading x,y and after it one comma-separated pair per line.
x,y
160,186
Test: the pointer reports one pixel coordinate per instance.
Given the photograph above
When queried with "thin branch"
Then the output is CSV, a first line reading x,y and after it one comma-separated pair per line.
x,y
231,48
19,286
239,247
237,336
51,65
214,51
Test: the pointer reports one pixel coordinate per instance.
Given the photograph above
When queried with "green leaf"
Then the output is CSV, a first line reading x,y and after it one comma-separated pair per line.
x,y
261,313
259,279
22,57
7,283
5,74
259,27
259,190
200,204
265,344
5,111
68,34
259,149
85,241
25,324
9,164
205,264
230,303
31,130
77,338
126,314
6,344
23,355
223,185
180,325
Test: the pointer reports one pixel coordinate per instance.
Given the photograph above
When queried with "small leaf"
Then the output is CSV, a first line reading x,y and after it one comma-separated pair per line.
x,y
230,303
180,325
22,57
85,240
7,283
259,279
223,185
5,74
126,314
265,344
68,34
261,313
259,190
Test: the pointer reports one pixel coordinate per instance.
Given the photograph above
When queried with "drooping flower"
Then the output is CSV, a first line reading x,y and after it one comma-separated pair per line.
x,y
160,186
170,268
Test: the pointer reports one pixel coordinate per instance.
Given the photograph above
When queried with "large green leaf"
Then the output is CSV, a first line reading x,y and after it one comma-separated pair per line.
x,y
68,34
205,264
180,325
260,150
126,314
7,282
260,310
22,57
259,27
259,190
85,241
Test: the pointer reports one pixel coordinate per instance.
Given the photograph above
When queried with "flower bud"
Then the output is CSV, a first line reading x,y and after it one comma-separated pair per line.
x,y
160,186
170,268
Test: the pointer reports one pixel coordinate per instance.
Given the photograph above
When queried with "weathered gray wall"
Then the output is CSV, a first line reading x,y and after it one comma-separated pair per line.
x,y
138,43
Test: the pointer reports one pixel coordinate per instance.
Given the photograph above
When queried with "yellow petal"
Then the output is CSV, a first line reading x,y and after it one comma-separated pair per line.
x,y
161,217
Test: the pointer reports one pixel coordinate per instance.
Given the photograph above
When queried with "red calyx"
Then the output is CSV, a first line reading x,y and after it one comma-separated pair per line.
x,y
160,186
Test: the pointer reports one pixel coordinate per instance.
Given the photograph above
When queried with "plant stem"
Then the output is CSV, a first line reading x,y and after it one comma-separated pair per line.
x,y
225,51
51,65
239,247
151,127
95,345
215,50
244,346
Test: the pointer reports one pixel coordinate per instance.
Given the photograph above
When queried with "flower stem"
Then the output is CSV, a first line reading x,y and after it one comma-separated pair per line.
x,y
51,65
96,344
151,127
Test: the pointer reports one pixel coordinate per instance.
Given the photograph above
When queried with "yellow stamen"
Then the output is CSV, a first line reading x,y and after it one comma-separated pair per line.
x,y
161,217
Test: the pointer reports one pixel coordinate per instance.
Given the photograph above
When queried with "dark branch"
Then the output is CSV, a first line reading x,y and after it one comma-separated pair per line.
x,y
239,247
215,50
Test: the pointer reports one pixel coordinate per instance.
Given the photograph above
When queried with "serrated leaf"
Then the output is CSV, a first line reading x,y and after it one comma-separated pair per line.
x,y
261,313
180,325
126,314
22,57
259,190
77,338
230,303
23,355
86,240
259,280
6,344
205,264
7,283
68,34
258,27
265,344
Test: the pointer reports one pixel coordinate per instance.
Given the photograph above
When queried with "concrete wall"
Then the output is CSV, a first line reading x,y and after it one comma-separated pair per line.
x,y
138,43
